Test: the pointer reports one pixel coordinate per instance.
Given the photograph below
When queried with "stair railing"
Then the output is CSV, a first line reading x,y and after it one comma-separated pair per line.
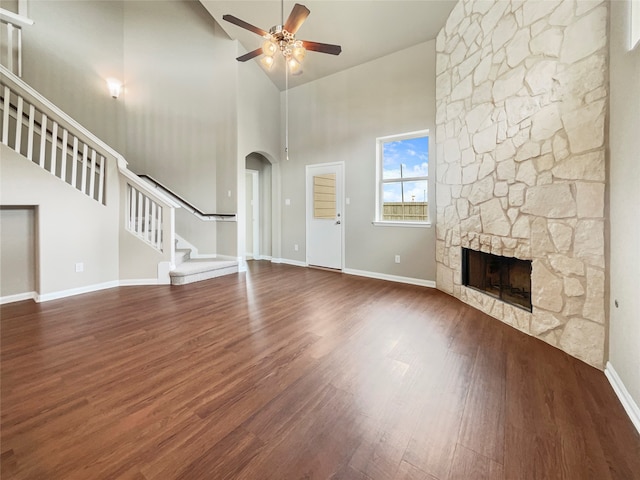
x,y
189,207
44,134
11,40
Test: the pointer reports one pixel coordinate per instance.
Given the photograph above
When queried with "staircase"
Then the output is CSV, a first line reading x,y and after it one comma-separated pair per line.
x,y
46,136
189,270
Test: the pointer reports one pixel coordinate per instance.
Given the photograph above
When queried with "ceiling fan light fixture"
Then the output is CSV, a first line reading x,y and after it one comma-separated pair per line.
x,y
295,67
298,51
269,48
283,38
267,62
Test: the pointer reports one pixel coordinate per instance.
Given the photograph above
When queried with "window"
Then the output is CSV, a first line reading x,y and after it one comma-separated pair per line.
x,y
403,171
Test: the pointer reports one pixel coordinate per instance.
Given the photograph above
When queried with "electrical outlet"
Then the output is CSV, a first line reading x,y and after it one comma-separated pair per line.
x,y
229,193
295,247
79,267
397,258
287,201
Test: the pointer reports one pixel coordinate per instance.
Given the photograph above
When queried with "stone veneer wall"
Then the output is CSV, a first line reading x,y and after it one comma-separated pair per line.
x,y
521,92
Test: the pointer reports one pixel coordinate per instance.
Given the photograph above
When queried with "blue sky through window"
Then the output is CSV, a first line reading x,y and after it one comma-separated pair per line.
x,y
413,155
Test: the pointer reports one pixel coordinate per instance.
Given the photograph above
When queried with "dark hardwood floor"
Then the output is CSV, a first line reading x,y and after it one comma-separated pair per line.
x,y
293,373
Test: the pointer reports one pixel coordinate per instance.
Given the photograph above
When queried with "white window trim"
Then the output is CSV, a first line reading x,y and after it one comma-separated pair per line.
x,y
378,222
634,30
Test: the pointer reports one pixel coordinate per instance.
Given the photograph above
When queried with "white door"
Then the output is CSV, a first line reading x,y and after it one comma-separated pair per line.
x,y
325,220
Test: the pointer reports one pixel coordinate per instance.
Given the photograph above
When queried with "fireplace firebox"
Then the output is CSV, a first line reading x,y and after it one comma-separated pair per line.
x,y
506,278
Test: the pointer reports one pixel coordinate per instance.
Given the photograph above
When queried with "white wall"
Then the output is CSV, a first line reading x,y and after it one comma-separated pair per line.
x,y
338,118
624,208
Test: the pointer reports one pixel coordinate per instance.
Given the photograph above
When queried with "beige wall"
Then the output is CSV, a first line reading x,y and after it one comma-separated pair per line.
x,y
68,54
180,107
624,208
337,119
258,134
72,228
17,251
176,118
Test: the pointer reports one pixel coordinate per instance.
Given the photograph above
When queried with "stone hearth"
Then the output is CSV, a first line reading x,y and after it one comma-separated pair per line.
x,y
521,92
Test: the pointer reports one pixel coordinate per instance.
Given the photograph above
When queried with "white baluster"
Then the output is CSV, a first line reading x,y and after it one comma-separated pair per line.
x,y
54,147
160,232
74,165
92,178
132,209
85,161
43,140
63,158
5,116
19,125
146,219
32,119
139,214
101,178
10,29
154,232
20,52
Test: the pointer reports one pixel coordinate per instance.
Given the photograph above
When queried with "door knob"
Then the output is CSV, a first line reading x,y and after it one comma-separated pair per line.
x,y
338,222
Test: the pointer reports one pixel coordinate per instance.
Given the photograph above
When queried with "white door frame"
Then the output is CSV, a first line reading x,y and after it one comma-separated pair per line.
x,y
340,207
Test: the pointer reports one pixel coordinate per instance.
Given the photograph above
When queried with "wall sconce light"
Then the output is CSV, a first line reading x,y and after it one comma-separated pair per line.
x,y
115,86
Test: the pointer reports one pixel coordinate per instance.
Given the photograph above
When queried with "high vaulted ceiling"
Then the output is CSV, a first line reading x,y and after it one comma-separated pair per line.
x,y
366,29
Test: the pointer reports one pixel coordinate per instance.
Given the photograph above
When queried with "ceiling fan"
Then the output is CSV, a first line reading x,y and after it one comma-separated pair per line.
x,y
283,38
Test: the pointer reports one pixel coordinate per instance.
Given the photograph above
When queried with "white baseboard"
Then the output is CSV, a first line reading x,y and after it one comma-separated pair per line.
x,y
76,291
264,257
391,278
18,297
361,273
630,406
286,261
134,282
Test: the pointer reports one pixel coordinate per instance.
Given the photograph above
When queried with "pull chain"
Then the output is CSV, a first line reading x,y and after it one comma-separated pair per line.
x,y
286,113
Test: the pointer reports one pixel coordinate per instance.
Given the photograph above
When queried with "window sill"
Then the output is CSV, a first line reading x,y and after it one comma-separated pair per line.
x,y
402,224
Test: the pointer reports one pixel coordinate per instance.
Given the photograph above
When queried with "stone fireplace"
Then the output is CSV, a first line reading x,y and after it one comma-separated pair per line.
x,y
521,99
505,278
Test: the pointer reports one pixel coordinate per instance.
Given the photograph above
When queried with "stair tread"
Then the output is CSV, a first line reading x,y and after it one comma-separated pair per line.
x,y
198,265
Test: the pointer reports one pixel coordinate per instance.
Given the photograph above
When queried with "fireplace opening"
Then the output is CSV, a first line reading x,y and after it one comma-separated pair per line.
x,y
506,278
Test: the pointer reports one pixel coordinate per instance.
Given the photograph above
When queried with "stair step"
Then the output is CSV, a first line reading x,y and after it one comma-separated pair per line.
x,y
195,270
182,255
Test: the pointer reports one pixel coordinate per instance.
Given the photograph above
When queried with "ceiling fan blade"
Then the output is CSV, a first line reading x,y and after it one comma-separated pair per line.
x,y
296,18
322,47
250,55
245,25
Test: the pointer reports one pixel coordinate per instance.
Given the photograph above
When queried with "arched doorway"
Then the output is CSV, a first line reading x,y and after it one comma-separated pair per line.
x,y
258,207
